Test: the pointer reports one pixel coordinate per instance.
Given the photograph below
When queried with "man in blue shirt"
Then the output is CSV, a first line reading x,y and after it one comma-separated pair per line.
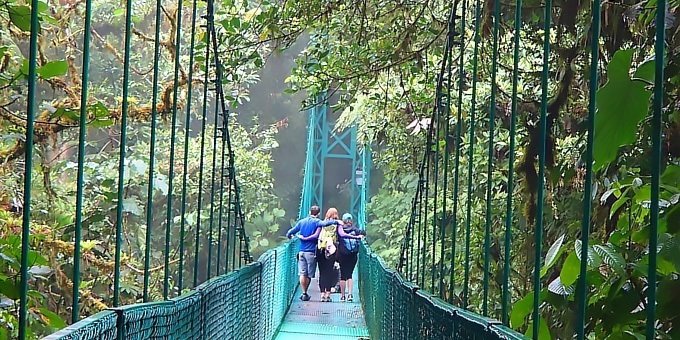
x,y
307,227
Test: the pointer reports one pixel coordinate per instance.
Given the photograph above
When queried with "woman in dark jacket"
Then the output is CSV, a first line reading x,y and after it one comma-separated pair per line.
x,y
348,254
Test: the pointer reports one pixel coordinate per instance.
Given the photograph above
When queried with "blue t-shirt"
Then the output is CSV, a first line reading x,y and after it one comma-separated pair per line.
x,y
306,227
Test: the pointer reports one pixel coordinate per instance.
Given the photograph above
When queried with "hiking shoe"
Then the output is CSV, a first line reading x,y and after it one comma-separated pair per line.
x,y
305,297
342,298
350,298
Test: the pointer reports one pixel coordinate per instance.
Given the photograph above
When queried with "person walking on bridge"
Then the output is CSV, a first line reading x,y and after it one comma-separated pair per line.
x,y
307,227
348,251
326,253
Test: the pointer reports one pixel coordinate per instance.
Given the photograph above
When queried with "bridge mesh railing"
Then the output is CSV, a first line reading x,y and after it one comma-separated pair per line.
x,y
248,303
397,309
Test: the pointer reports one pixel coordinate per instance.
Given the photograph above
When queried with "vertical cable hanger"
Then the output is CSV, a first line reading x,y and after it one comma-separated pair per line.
x,y
468,219
201,169
456,171
187,123
122,152
80,181
505,295
233,188
152,152
538,229
489,171
171,167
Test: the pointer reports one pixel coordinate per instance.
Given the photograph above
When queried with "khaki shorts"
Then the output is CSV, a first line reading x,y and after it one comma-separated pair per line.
x,y
306,264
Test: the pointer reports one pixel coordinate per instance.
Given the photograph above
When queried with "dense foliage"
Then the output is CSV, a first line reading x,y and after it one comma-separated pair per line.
x,y
56,150
382,56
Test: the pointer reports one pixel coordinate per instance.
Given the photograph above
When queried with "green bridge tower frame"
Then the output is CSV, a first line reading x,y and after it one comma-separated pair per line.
x,y
323,143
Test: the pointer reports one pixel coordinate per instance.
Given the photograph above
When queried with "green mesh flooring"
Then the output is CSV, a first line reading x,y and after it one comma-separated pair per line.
x,y
316,320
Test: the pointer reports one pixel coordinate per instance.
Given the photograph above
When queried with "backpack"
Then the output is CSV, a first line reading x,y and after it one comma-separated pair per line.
x,y
351,244
327,237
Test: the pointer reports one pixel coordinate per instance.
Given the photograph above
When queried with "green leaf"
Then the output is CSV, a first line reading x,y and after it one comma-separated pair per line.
x,y
101,123
671,176
643,194
279,212
551,255
130,288
64,219
570,269
69,114
268,218
637,336
593,259
53,319
20,16
101,114
89,244
7,258
611,257
35,259
99,110
618,204
53,69
621,104
235,22
36,295
543,331
557,287
23,70
673,219
264,242
645,71
9,289
520,310
42,7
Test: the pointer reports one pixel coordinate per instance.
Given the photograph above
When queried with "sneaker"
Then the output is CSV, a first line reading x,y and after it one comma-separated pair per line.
x,y
349,298
305,297
342,298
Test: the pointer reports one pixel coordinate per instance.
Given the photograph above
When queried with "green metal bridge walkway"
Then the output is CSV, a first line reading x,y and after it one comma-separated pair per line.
x,y
427,295
316,320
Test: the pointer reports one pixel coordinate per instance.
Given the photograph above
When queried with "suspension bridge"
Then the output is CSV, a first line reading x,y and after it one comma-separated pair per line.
x,y
247,298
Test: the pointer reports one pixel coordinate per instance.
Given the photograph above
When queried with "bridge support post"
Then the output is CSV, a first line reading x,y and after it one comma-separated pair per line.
x,y
323,143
